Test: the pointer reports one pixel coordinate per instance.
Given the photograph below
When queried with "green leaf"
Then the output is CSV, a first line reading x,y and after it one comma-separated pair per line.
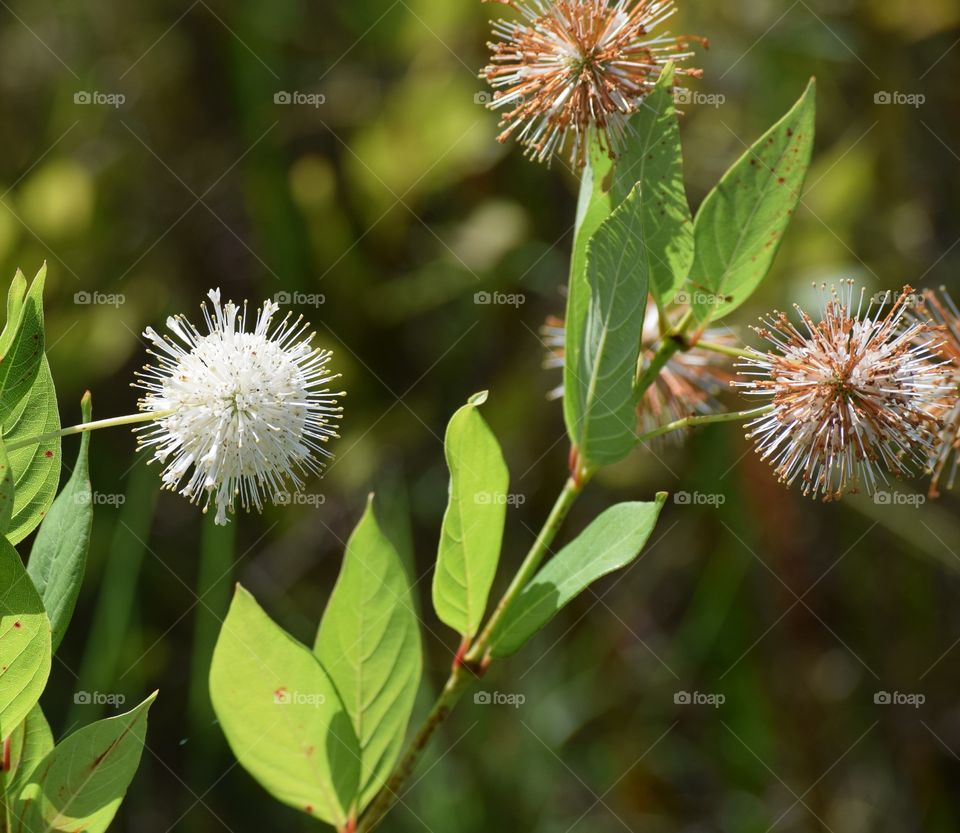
x,y
59,555
21,343
24,641
29,744
598,387
15,298
282,715
472,529
80,783
36,467
369,643
594,205
7,495
610,542
653,160
741,222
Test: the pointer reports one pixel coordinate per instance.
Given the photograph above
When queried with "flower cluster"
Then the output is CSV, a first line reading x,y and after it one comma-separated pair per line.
x,y
566,66
238,414
851,397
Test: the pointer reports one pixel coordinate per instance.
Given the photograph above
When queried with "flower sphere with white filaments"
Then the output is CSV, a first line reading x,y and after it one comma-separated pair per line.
x,y
571,65
850,396
240,415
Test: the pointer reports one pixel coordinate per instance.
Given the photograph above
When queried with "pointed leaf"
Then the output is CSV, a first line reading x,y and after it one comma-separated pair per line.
x,y
24,641
59,555
610,542
6,490
741,222
21,344
652,159
599,400
80,783
472,529
282,715
369,643
29,744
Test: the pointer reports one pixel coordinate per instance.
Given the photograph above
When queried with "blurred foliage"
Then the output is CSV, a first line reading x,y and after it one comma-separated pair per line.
x,y
392,200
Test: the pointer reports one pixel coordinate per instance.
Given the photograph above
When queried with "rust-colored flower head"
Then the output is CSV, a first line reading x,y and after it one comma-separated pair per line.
x,y
852,396
567,66
941,309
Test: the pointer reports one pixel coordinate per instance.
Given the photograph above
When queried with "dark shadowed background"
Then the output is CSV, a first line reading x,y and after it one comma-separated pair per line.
x,y
339,153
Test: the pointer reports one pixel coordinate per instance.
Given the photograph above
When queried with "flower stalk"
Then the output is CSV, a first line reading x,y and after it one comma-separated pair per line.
x,y
112,422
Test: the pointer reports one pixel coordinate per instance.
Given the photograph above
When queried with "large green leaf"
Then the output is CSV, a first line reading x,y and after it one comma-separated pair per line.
x,y
594,204
59,555
24,641
79,785
7,494
370,646
36,467
21,342
741,222
472,530
282,715
29,744
598,387
652,159
610,542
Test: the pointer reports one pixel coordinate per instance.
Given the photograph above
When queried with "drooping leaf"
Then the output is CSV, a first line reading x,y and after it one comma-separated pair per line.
x,y
472,529
610,542
740,224
24,641
80,783
29,744
598,385
369,644
59,555
652,159
594,204
282,715
21,343
36,467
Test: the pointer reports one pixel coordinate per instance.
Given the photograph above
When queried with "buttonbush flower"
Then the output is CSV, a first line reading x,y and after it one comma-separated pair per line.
x,y
942,310
570,65
851,397
239,415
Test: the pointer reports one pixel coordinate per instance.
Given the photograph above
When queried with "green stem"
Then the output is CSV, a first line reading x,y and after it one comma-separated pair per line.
x,y
708,419
669,344
726,350
467,667
113,422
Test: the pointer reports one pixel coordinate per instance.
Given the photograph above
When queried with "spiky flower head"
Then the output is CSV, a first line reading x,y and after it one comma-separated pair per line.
x,y
852,397
941,309
566,66
239,415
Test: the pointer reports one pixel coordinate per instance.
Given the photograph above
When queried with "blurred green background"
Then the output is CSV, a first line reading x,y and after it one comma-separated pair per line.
x,y
392,201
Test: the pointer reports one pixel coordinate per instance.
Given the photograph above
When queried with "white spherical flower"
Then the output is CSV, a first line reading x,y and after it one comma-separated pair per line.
x,y
239,415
